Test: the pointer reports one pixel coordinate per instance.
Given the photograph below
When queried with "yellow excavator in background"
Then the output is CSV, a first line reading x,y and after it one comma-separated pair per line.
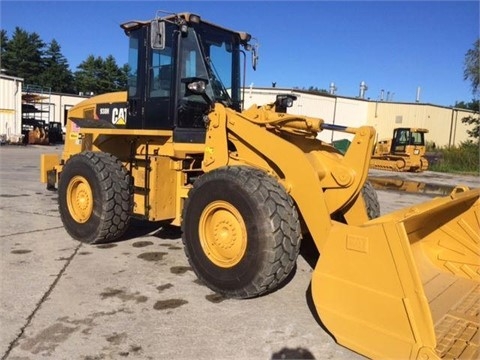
x,y
246,185
405,151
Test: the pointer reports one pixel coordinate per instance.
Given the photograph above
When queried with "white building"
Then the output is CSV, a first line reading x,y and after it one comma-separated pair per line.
x,y
41,104
19,101
10,108
444,123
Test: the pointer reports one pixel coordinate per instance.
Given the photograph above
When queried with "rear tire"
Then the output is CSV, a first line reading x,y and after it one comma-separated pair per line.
x,y
95,200
371,200
241,231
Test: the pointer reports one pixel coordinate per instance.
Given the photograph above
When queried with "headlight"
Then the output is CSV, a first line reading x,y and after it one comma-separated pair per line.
x,y
197,87
283,102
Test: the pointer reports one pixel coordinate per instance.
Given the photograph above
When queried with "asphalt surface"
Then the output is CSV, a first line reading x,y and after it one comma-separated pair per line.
x,y
138,298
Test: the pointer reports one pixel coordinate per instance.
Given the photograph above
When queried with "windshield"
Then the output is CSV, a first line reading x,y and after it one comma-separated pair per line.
x,y
417,138
221,53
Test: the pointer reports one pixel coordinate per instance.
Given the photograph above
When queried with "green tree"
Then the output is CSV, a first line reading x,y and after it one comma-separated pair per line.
x,y
317,90
56,75
473,119
471,72
100,76
112,75
312,89
471,69
3,45
123,83
22,56
88,73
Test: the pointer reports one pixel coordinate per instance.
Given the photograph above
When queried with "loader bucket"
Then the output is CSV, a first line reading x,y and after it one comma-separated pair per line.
x,y
405,285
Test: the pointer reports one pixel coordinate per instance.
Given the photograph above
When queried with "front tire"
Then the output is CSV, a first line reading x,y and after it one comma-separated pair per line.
x,y
241,231
94,196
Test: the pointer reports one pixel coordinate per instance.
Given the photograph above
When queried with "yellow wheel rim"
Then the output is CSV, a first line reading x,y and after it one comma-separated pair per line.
x,y
80,199
223,234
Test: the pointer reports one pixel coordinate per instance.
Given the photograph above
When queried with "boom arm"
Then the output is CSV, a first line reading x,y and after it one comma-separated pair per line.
x,y
316,176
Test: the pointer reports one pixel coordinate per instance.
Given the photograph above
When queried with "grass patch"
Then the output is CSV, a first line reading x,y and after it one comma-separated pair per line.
x,y
463,159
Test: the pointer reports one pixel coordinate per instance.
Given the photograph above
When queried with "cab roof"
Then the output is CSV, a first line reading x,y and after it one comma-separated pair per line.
x,y
188,17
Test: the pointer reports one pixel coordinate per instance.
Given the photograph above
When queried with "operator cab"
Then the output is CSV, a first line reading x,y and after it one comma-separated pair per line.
x,y
179,67
403,137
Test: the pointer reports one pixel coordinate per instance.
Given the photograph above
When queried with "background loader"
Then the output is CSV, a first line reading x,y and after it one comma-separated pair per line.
x,y
405,151
246,185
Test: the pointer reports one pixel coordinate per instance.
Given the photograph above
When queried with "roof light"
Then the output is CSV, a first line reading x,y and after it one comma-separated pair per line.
x,y
130,25
194,19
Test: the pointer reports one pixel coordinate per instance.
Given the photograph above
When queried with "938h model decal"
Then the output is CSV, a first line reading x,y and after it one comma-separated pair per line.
x,y
116,113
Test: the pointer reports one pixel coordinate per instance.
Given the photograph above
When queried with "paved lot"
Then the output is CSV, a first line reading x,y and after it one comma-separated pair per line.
x,y
138,298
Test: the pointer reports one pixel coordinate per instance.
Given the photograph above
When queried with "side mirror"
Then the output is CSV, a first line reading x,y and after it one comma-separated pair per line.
x,y
157,34
254,56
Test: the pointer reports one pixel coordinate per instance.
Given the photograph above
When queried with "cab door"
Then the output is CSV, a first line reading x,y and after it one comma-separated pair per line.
x,y
136,78
151,85
160,84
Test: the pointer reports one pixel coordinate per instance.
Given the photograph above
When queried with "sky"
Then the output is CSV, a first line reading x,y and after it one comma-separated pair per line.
x,y
394,46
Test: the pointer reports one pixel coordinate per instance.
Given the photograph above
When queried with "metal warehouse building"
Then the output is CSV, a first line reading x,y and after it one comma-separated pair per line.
x,y
10,108
19,101
444,123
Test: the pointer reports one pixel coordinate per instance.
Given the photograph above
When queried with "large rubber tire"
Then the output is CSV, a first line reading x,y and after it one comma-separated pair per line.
x,y
95,197
240,231
371,200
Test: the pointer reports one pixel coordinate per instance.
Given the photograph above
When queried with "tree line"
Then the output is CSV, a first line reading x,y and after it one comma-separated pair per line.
x,y
27,56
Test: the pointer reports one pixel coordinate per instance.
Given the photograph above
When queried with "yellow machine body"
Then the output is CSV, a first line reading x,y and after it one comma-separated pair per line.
x,y
405,285
404,152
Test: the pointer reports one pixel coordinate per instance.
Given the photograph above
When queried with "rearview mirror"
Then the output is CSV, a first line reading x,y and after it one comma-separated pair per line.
x,y
254,56
157,34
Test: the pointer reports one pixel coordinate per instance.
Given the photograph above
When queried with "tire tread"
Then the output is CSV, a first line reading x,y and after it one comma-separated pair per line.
x,y
116,195
283,217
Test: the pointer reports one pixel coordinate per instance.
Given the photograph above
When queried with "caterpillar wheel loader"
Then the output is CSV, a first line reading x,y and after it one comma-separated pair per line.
x,y
405,151
246,185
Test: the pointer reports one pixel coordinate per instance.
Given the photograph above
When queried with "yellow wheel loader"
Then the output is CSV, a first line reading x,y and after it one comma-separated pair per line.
x,y
404,152
246,185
